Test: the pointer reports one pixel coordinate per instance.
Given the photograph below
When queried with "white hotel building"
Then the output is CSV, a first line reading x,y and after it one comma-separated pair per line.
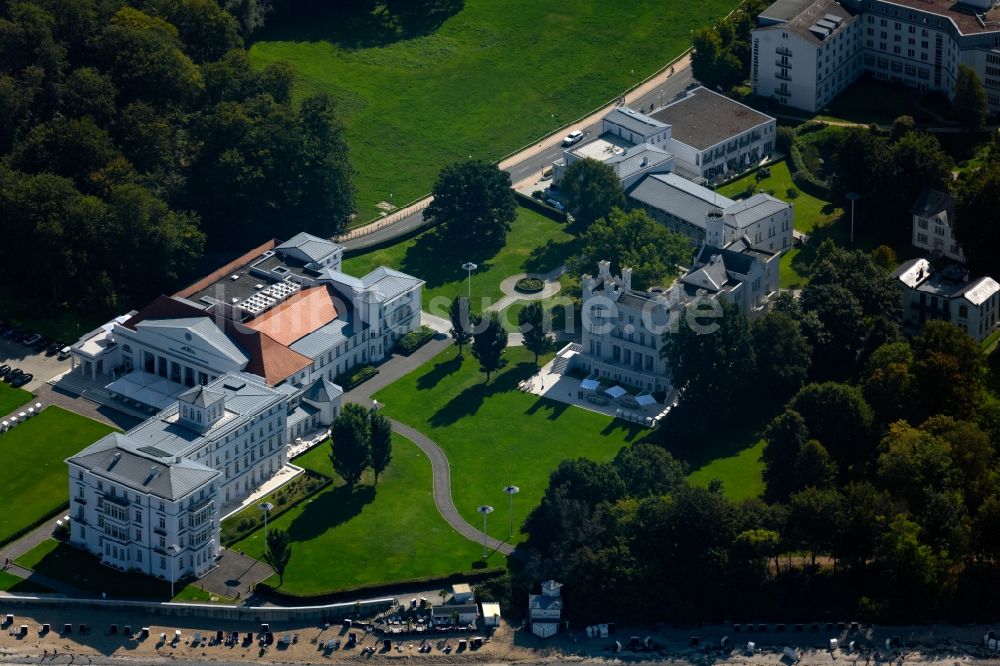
x,y
806,51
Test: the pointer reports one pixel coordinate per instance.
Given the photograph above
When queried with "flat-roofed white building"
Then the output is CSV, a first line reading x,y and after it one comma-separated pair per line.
x,y
948,295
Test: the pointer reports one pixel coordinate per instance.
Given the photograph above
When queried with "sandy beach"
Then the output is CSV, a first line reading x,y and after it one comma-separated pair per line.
x,y
946,645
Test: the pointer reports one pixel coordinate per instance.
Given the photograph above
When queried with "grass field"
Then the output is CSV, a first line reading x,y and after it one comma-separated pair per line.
x,y
11,583
810,212
33,475
491,78
739,473
12,398
535,244
63,562
495,435
381,534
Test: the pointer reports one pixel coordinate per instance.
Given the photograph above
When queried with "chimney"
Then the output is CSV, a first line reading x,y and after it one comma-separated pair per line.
x,y
627,278
604,269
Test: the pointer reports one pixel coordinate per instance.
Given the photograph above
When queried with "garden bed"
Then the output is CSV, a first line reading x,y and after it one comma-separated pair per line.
x,y
414,340
529,285
239,525
349,380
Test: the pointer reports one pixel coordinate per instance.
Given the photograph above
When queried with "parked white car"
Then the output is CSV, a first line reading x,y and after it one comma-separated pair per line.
x,y
573,137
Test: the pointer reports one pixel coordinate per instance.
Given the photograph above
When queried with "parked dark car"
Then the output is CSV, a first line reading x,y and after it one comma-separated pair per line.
x,y
53,348
13,374
41,344
4,369
22,379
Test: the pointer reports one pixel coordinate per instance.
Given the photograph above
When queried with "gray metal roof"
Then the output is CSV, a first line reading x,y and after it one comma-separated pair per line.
x,y
635,121
637,159
816,21
312,248
323,338
931,202
738,263
981,290
201,396
785,10
119,459
679,197
322,390
705,118
388,283
753,209
246,396
203,328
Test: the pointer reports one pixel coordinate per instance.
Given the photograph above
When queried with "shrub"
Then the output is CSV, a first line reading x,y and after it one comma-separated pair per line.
x,y
792,193
529,285
351,378
537,194
784,138
414,340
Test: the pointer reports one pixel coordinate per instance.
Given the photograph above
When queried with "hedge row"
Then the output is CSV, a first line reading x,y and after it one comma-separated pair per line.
x,y
414,340
239,526
348,380
806,180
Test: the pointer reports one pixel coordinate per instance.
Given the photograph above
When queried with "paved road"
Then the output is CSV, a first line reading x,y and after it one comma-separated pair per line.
x,y
532,161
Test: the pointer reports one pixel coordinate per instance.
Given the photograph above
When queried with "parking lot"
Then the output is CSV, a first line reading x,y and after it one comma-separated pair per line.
x,y
37,363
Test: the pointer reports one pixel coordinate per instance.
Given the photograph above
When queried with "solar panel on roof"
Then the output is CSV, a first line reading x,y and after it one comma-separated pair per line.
x,y
820,31
829,25
833,18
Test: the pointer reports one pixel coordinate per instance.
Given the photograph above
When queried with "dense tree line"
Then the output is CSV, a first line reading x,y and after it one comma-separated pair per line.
x,y
880,466
133,135
722,52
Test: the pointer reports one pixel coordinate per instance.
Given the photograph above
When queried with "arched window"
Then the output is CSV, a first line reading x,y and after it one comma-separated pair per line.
x,y
127,349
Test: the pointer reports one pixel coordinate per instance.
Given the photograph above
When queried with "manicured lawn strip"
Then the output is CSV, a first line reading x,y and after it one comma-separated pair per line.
x,y
809,211
61,561
237,526
12,398
495,435
788,276
492,78
535,244
33,479
194,593
317,459
389,532
739,473
11,583
558,318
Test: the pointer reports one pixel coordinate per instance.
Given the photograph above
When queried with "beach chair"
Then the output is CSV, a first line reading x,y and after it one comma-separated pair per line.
x,y
67,629
196,639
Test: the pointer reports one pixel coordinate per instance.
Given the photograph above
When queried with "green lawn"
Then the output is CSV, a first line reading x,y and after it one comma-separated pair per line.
x,y
491,78
496,435
390,532
535,244
559,308
739,473
11,583
33,476
316,459
12,398
810,212
61,561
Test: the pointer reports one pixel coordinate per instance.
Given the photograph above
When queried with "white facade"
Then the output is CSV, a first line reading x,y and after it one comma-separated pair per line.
x,y
918,43
947,295
545,609
933,225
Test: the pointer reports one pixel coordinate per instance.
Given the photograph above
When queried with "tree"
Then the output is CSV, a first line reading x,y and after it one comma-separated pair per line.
x,y
784,438
838,416
713,63
488,345
381,442
634,240
885,257
978,197
970,99
350,446
889,384
783,353
914,463
812,519
461,322
473,203
813,467
711,368
648,470
530,320
278,551
592,191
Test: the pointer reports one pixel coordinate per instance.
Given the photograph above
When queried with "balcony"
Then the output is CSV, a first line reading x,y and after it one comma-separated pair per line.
x,y
160,530
783,92
198,506
782,50
783,77
786,65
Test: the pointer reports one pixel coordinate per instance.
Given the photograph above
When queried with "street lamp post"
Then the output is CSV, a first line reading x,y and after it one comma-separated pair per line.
x,y
852,197
267,508
486,510
173,549
469,267
511,491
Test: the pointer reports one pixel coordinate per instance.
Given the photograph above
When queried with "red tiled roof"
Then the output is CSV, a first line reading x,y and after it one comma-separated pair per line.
x,y
299,315
268,358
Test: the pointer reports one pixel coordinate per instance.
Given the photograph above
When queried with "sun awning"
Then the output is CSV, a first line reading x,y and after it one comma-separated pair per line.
x,y
616,391
148,389
589,384
645,400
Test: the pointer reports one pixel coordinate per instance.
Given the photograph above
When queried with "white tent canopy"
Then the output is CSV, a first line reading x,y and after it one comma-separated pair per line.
x,y
616,391
589,385
148,389
645,400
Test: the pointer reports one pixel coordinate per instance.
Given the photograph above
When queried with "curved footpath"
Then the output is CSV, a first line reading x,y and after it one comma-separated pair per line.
x,y
440,467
